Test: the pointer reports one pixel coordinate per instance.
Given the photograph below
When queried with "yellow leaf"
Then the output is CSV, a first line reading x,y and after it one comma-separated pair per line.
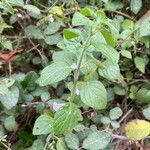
x,y
137,129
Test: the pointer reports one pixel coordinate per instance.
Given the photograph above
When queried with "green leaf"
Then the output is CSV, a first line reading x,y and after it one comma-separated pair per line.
x,y
66,118
37,145
93,94
29,83
32,10
97,140
52,28
135,5
119,91
10,99
105,120
115,124
79,20
10,124
143,96
54,73
60,145
139,63
115,113
70,33
127,24
3,89
87,12
64,56
33,32
126,54
98,38
7,44
109,52
53,39
145,28
72,140
110,71
113,5
17,2
146,113
6,7
43,125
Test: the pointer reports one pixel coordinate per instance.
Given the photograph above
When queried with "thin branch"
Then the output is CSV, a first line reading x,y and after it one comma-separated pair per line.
x,y
77,71
122,14
125,115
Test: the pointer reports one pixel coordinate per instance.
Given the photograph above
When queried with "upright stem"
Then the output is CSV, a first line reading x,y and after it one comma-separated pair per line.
x,y
77,71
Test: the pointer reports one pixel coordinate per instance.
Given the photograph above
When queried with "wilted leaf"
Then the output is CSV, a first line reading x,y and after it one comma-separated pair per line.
x,y
137,129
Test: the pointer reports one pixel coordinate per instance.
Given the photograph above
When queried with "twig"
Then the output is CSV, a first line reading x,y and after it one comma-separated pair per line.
x,y
122,14
125,115
119,137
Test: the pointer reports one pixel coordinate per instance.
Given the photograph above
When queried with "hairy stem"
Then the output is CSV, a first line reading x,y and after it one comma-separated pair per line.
x,y
77,71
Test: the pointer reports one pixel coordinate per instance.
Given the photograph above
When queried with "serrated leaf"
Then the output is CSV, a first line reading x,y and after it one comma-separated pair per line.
x,y
146,113
32,10
53,39
97,140
115,113
10,99
79,20
139,63
66,118
135,5
111,71
33,32
10,124
64,56
137,129
52,28
54,73
43,125
109,52
72,140
145,28
93,94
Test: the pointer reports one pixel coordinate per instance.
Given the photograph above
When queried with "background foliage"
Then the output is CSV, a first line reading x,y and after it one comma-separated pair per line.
x,y
74,74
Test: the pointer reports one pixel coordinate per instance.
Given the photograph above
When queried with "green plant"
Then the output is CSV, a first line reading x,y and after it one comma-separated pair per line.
x,y
70,74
